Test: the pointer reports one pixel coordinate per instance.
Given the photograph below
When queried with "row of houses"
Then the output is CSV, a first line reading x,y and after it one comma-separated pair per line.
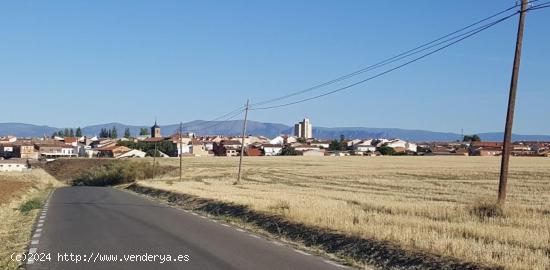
x,y
189,144
477,148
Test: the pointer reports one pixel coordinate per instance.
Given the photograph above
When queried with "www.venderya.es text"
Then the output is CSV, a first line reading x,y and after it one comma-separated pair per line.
x,y
94,257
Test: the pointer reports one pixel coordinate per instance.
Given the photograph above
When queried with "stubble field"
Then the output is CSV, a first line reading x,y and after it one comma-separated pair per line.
x,y
429,204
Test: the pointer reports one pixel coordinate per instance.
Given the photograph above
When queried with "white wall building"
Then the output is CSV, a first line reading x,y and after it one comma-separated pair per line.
x,y
13,165
277,140
303,129
272,149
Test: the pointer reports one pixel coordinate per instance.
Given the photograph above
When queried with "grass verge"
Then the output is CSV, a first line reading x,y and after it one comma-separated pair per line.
x,y
19,211
31,204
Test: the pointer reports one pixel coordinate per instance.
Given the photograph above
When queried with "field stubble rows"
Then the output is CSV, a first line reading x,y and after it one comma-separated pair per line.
x,y
419,203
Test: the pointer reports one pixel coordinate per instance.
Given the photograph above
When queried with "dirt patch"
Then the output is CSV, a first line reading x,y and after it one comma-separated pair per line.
x,y
10,189
368,251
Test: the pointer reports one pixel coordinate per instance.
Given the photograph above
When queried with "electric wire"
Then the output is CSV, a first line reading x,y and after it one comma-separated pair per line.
x,y
389,70
387,61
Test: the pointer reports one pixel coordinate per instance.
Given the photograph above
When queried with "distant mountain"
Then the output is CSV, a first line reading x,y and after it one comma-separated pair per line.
x,y
266,129
25,130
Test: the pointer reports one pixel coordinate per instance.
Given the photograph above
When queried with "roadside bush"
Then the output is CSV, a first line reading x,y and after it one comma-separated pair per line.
x,y
118,172
486,209
30,205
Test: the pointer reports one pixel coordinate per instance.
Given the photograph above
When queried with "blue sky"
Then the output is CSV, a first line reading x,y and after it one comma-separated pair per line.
x,y
76,63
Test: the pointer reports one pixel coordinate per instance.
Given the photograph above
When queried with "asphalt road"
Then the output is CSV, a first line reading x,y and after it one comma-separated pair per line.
x,y
95,222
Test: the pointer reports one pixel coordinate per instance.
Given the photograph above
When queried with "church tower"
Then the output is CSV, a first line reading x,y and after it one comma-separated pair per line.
x,y
155,131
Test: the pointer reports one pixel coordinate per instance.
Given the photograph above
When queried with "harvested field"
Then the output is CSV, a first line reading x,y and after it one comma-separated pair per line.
x,y
430,204
15,227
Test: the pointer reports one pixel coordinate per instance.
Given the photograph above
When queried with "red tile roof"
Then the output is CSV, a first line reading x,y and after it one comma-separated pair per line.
x,y
486,144
70,139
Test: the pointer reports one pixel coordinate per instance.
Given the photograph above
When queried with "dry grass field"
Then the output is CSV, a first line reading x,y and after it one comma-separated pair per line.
x,y
15,227
419,203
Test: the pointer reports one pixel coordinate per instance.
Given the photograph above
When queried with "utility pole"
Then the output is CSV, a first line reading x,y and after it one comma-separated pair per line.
x,y
242,144
181,149
154,160
507,143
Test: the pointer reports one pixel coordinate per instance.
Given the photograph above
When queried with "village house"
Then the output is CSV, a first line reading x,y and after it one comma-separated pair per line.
x,y
8,139
320,144
351,143
181,143
133,153
6,150
112,151
53,149
72,141
198,149
252,151
303,147
119,151
277,140
25,150
401,146
14,165
227,148
485,148
272,149
312,152
363,149
208,146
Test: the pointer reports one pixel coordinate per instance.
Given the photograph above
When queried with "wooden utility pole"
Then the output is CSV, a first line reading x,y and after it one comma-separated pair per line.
x,y
181,149
507,143
154,160
242,144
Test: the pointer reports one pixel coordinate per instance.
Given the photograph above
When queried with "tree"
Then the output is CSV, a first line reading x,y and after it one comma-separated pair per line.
x,y
471,138
337,145
60,133
127,133
143,131
113,133
78,132
104,133
386,150
288,151
66,132
71,133
54,134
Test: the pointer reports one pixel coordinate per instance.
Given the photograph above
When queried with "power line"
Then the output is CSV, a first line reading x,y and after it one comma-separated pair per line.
x,y
390,70
539,6
229,114
233,116
386,61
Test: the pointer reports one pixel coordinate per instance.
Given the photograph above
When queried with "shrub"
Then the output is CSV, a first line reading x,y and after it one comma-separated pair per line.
x,y
30,205
386,151
485,209
280,206
120,172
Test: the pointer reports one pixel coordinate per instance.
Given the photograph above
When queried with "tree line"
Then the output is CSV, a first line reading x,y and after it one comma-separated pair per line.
x,y
103,133
67,132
